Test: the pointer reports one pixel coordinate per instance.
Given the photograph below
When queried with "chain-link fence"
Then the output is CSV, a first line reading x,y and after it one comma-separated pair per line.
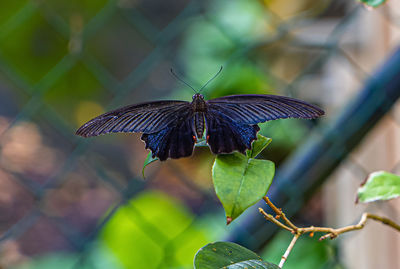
x,y
82,203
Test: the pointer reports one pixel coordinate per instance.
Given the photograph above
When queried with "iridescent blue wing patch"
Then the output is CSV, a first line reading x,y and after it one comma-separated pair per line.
x,y
174,141
225,135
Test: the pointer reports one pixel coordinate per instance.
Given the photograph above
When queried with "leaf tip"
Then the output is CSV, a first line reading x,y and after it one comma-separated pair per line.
x,y
228,220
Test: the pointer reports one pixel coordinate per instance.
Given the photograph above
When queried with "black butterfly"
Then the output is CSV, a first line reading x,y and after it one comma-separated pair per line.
x,y
171,128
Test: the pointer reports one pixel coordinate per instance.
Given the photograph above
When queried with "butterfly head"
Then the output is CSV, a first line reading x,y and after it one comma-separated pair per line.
x,y
198,103
198,96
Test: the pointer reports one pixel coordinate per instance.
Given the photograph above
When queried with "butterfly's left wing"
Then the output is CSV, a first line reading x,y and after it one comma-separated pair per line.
x,y
231,121
166,126
174,141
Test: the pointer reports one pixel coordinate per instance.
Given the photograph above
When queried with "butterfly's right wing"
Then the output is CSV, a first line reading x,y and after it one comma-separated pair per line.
x,y
146,117
253,108
231,121
225,135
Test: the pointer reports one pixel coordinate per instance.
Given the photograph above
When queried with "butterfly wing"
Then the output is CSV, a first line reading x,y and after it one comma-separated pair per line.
x,y
253,109
231,121
166,126
225,135
146,117
174,141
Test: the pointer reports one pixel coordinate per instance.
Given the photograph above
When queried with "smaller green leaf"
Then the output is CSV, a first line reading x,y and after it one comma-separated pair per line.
x,y
240,181
149,159
379,185
258,145
373,3
230,256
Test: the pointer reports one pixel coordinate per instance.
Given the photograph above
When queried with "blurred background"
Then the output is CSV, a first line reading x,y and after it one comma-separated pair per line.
x,y
69,202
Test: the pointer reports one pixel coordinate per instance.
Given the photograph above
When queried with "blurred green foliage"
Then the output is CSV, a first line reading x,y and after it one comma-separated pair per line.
x,y
33,47
221,37
154,231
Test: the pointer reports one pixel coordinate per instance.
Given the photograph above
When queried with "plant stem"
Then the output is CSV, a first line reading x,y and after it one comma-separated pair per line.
x,y
279,213
275,221
329,232
288,250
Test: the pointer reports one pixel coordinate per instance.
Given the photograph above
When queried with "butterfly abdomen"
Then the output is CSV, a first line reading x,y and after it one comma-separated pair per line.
x,y
199,107
199,124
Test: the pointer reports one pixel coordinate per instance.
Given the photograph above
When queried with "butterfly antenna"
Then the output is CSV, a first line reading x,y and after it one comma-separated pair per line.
x,y
211,79
181,80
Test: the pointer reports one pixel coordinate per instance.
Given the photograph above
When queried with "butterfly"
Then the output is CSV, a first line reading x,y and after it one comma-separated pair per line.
x,y
171,129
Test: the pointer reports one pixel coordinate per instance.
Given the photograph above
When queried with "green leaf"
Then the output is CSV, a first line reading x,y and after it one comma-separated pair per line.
x,y
149,159
373,3
229,255
379,185
258,146
240,181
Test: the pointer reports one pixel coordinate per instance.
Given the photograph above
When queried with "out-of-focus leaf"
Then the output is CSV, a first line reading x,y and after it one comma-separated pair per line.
x,y
33,48
150,227
149,159
8,20
220,38
379,185
239,78
240,181
373,3
229,255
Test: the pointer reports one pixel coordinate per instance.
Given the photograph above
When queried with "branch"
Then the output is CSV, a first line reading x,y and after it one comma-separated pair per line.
x,y
329,232
279,213
275,221
288,250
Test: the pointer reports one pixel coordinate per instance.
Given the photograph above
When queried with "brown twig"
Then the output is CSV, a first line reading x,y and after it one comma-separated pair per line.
x,y
275,221
329,232
279,213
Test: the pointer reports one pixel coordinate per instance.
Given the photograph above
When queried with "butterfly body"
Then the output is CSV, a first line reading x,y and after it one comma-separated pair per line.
x,y
171,128
199,108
